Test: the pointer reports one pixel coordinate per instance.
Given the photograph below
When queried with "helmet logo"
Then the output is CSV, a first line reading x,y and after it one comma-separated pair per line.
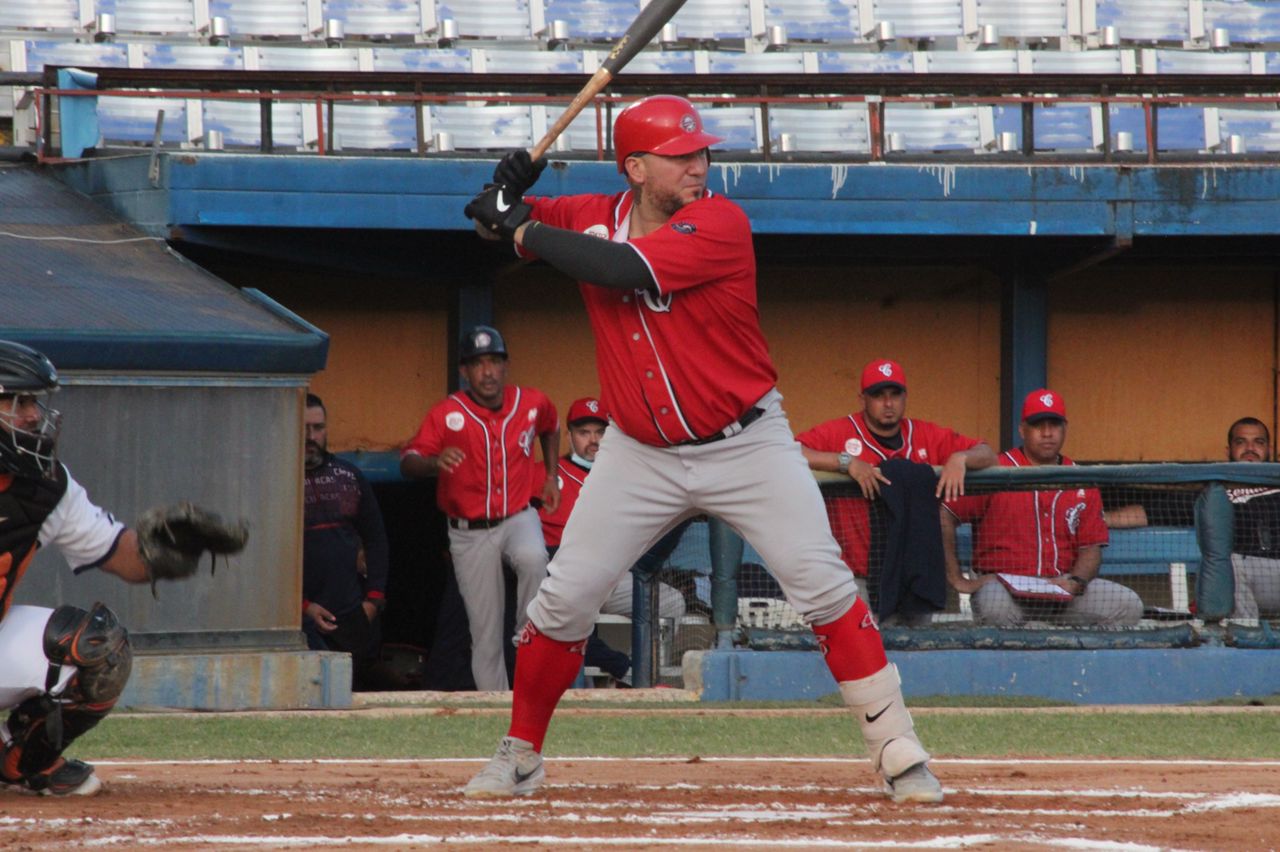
x,y
483,339
688,122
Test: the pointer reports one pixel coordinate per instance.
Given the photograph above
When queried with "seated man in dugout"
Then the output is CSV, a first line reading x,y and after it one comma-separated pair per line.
x,y
1255,544
1036,554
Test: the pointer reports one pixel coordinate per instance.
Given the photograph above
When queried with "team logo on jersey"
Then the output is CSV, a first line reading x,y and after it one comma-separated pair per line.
x,y
688,123
853,447
868,621
1047,399
526,440
533,414
922,453
886,369
601,231
1080,492
684,227
659,304
1073,518
454,421
560,482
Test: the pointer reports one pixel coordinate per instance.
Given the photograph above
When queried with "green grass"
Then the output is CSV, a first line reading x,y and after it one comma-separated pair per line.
x,y
1064,734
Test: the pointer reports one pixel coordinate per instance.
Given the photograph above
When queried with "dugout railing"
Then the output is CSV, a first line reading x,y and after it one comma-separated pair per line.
x,y
1175,541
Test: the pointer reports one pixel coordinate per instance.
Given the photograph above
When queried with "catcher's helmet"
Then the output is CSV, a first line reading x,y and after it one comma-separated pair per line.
x,y
28,426
662,124
482,340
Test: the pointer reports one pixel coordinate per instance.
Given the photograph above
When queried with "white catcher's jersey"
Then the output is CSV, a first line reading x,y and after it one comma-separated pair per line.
x,y
84,533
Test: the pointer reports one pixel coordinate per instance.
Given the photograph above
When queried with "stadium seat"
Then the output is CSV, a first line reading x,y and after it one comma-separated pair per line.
x,y
528,61
240,126
133,120
1181,129
1146,20
842,128
1259,128
738,126
1201,62
158,55
1246,21
657,62
815,20
264,18
921,128
1067,127
712,20
488,18
723,62
53,15
374,127
155,17
1082,61
971,62
34,55
920,18
421,59
593,19
1025,19
304,59
833,62
581,134
379,19
490,128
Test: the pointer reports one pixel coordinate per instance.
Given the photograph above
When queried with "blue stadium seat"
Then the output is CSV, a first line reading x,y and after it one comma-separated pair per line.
x,y
832,62
593,19
239,123
134,119
421,59
723,62
158,55
488,18
264,18
41,53
53,15
374,127
1247,21
1146,20
660,62
924,129
1082,62
1025,19
377,18
533,61
841,128
815,20
308,59
738,126
971,61
921,18
159,17
1201,62
490,128
581,135
714,20
1259,128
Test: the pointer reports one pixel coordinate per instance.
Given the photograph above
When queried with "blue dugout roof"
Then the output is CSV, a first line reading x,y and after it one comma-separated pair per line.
x,y
95,293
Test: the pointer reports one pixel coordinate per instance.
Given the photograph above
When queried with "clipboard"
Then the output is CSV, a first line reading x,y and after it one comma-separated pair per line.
x,y
1026,587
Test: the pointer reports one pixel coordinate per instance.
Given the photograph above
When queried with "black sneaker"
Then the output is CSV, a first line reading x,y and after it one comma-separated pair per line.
x,y
65,778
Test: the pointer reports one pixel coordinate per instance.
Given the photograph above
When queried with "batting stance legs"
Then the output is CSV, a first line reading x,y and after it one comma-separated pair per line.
x,y
63,670
759,483
477,563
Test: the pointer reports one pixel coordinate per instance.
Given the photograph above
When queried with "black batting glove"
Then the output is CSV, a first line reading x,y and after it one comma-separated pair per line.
x,y
498,210
517,171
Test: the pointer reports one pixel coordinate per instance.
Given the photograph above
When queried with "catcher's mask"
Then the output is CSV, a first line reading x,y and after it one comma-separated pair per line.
x,y
28,425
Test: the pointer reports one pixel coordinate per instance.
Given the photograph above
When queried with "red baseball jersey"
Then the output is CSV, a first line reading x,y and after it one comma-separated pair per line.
x,y
570,477
922,441
496,477
685,358
1031,532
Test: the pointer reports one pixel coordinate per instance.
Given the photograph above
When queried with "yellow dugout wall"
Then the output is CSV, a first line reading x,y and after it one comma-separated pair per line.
x,y
1154,363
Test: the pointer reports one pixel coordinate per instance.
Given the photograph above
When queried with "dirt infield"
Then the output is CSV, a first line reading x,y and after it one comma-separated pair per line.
x,y
691,803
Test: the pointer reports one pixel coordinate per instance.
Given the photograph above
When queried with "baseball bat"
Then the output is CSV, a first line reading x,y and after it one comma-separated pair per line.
x,y
642,30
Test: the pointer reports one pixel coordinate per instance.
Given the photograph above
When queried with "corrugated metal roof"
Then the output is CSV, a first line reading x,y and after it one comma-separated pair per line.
x,y
94,292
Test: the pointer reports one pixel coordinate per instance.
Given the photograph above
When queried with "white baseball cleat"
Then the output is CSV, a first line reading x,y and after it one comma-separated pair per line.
x,y
917,784
514,770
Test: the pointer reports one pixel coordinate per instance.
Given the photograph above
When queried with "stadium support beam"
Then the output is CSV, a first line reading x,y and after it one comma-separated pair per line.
x,y
1024,343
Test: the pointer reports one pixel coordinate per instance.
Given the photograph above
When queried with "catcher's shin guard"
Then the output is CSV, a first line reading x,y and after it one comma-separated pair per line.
x,y
28,747
877,704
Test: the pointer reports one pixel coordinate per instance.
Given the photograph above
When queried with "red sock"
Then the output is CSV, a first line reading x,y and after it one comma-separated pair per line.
x,y
851,645
545,668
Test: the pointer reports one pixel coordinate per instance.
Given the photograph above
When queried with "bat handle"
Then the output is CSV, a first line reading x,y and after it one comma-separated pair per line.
x,y
598,81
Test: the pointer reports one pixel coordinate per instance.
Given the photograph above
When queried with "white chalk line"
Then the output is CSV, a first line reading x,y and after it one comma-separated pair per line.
x,y
937,761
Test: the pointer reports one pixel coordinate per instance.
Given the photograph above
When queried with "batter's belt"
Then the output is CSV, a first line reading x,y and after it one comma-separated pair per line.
x,y
752,415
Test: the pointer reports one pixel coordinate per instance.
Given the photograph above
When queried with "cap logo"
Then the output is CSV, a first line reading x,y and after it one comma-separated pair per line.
x,y
1046,399
885,369
688,123
483,339
454,421
593,406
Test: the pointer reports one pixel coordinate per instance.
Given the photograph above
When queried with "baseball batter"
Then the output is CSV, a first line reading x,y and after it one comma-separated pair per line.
x,y
667,271
1054,534
61,670
480,443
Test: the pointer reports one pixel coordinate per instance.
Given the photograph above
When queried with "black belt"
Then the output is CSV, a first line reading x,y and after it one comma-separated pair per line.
x,y
752,415
478,524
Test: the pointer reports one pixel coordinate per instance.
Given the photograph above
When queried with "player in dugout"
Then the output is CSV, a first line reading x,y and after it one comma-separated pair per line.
x,y
667,271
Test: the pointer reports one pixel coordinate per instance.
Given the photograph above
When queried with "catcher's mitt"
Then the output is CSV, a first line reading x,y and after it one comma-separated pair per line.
x,y
171,540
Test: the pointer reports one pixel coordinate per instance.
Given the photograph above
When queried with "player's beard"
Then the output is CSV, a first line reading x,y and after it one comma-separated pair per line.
x,y
670,203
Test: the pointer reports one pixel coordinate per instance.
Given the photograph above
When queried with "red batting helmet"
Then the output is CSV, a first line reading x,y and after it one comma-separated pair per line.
x,y
662,124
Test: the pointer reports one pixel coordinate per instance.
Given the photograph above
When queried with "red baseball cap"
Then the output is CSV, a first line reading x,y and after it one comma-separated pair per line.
x,y
587,408
1043,404
883,373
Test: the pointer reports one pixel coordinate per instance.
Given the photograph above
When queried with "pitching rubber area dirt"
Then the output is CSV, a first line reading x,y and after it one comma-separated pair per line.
x,y
651,804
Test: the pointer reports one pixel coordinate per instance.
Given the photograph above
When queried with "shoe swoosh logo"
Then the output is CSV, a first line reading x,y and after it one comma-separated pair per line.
x,y
502,204
522,777
872,718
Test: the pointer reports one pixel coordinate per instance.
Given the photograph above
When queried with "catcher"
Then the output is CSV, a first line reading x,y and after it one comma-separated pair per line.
x,y
61,670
